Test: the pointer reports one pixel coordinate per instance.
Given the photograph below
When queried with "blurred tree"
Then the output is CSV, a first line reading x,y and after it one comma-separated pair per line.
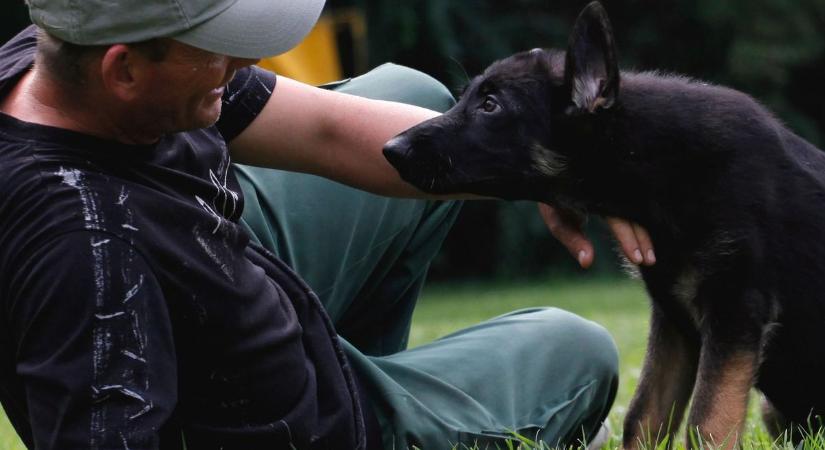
x,y
759,46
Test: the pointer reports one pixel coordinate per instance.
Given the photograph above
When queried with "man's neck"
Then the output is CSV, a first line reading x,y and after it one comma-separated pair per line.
x,y
36,99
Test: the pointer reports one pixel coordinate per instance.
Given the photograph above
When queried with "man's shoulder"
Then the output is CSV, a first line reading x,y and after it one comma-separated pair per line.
x,y
20,177
41,201
17,54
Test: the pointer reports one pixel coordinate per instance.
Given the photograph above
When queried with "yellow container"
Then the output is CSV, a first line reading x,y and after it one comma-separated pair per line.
x,y
313,61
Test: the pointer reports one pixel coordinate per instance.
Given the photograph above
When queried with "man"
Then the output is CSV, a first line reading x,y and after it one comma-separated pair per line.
x,y
137,313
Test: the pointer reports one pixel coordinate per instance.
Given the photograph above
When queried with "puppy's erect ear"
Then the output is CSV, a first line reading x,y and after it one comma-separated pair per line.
x,y
591,71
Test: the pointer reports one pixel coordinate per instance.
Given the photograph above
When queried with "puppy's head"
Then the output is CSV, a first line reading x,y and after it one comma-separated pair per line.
x,y
507,135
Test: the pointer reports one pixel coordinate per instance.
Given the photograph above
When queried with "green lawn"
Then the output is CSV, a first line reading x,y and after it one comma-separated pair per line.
x,y
8,438
618,304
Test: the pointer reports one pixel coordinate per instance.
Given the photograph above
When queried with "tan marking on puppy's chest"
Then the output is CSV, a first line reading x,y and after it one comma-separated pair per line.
x,y
684,291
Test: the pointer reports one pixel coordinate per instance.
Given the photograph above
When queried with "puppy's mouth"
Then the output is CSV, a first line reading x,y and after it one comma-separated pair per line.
x,y
438,175
430,176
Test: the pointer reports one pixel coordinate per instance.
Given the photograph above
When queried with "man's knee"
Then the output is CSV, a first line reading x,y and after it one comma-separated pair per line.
x,y
576,339
401,84
592,357
419,88
594,341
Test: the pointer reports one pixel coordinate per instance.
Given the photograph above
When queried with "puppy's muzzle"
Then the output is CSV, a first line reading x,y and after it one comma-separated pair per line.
x,y
397,151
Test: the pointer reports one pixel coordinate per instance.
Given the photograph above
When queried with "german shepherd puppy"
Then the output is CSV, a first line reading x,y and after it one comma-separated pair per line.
x,y
733,200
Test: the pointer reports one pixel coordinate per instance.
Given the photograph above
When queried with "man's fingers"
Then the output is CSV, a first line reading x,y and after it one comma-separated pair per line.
x,y
569,234
624,233
645,244
634,240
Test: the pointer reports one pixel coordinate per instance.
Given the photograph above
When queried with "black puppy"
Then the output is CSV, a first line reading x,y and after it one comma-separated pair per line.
x,y
734,202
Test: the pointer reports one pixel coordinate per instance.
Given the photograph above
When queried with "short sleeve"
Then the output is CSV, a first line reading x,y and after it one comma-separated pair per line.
x,y
17,54
243,100
94,346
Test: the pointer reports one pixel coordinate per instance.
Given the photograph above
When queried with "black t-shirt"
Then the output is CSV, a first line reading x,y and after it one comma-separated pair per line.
x,y
134,310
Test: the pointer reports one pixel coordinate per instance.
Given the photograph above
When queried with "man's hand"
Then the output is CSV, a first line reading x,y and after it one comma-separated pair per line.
x,y
634,240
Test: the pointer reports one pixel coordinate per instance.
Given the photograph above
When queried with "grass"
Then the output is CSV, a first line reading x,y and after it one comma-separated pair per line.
x,y
618,304
8,438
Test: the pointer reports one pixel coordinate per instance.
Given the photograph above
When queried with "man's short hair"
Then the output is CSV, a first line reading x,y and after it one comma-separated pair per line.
x,y
68,63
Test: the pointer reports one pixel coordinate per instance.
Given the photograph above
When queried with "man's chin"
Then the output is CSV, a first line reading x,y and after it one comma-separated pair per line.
x,y
203,120
208,122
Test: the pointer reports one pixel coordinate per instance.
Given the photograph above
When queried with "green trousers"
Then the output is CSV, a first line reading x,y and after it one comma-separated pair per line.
x,y
544,373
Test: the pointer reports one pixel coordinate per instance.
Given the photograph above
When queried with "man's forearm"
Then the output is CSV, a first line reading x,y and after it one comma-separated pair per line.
x,y
380,121
334,135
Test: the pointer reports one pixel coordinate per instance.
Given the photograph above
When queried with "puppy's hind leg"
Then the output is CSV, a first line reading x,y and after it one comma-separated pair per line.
x,y
665,385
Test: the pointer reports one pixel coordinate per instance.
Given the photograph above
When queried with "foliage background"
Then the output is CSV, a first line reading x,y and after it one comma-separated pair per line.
x,y
772,49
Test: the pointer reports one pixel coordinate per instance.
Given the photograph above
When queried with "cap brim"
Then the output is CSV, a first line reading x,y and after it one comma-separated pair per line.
x,y
255,28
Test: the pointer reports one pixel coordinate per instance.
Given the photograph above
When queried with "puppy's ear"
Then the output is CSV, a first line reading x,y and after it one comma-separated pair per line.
x,y
591,71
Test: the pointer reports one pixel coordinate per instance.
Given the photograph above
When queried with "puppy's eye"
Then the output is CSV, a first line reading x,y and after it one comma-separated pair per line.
x,y
489,105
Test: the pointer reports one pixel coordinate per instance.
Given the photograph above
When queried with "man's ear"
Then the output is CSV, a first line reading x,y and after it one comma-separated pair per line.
x,y
591,72
117,71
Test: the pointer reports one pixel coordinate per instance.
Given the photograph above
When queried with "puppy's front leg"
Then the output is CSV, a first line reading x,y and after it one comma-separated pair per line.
x,y
720,401
733,326
665,385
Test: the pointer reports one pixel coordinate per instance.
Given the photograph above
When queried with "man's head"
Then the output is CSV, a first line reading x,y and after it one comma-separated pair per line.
x,y
159,66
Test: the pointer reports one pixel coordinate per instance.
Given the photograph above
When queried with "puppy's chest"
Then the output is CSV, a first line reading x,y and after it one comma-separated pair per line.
x,y
676,293
688,277
683,290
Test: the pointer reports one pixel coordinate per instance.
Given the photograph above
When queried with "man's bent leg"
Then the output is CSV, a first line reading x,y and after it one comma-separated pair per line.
x,y
543,373
365,256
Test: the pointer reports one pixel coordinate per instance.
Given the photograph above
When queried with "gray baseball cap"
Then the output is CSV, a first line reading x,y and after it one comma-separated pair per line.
x,y
241,28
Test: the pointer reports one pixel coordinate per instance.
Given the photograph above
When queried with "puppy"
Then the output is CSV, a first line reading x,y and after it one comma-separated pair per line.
x,y
734,202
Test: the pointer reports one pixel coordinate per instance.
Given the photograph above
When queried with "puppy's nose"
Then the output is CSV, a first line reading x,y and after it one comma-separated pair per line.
x,y
397,151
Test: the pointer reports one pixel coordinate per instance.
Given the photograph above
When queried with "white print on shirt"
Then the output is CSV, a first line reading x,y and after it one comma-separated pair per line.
x,y
134,290
224,202
74,178
108,326
204,241
124,195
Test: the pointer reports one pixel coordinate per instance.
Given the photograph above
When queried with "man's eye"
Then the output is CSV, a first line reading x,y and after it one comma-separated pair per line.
x,y
489,105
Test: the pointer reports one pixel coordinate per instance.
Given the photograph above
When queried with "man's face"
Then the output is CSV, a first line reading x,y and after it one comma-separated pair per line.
x,y
184,90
